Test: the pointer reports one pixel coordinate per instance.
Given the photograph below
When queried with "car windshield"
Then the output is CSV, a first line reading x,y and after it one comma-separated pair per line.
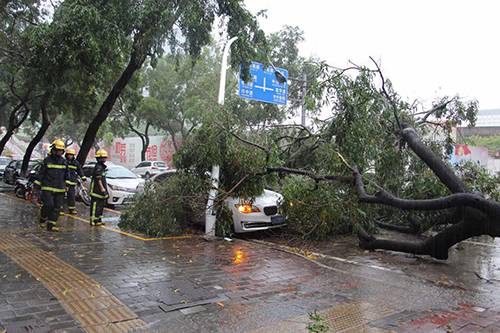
x,y
4,161
160,164
118,172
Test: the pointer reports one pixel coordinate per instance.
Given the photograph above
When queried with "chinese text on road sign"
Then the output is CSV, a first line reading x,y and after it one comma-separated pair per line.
x,y
264,86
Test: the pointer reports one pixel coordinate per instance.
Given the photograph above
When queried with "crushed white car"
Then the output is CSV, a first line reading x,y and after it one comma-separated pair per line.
x,y
261,213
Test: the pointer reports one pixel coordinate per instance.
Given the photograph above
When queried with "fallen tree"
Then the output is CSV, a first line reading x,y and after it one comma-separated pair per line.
x,y
472,214
372,137
463,213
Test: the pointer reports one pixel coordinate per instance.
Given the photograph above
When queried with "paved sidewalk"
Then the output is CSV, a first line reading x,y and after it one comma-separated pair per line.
x,y
97,279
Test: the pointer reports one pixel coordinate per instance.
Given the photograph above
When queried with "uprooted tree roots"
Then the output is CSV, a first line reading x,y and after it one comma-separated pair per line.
x,y
470,213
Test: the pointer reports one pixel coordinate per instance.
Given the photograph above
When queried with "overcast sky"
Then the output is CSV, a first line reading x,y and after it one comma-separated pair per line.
x,y
427,48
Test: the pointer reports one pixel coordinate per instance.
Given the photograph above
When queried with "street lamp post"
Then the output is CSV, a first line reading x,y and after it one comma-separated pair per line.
x,y
210,213
303,100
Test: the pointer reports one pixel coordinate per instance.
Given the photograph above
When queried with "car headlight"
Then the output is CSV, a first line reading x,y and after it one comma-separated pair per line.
x,y
247,208
120,188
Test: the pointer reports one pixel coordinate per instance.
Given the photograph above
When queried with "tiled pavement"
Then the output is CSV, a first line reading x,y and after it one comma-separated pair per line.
x,y
190,285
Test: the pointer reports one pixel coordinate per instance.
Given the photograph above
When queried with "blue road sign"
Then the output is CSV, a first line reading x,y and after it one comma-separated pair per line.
x,y
264,86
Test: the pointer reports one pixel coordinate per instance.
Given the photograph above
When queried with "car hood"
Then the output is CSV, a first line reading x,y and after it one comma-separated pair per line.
x,y
267,198
125,182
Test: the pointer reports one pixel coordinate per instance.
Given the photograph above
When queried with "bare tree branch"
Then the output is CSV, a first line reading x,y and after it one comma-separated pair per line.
x,y
335,178
386,94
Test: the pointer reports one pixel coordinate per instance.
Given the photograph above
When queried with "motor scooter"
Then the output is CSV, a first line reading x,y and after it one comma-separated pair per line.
x,y
24,186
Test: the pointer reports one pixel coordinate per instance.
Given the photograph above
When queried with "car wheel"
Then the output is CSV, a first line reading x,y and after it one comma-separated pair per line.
x,y
20,193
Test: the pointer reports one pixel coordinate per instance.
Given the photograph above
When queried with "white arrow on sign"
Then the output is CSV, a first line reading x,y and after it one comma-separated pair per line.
x,y
263,87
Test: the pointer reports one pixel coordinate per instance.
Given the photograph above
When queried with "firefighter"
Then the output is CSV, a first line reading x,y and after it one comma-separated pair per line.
x,y
51,178
98,188
74,171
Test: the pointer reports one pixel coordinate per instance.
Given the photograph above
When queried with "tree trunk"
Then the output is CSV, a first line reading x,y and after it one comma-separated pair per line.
x,y
144,137
13,125
145,142
3,112
172,135
36,139
6,137
106,107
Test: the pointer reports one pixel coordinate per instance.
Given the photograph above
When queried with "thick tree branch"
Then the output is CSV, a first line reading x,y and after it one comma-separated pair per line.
x,y
456,200
440,169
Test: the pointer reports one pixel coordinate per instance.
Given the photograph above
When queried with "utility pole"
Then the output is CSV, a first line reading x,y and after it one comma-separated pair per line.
x,y
210,213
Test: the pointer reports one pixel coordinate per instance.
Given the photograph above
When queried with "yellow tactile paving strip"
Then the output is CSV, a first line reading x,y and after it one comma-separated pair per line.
x,y
352,317
84,299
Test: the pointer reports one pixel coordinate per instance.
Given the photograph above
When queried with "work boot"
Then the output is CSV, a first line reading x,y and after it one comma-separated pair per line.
x,y
52,226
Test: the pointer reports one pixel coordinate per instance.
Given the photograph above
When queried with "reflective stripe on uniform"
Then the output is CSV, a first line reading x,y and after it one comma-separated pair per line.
x,y
95,195
53,189
56,166
69,182
37,182
92,215
72,167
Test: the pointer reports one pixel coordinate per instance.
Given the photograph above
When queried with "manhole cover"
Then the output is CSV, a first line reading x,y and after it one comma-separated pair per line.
x,y
179,306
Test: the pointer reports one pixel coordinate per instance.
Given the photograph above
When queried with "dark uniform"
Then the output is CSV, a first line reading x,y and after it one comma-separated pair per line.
x,y
74,171
98,198
52,181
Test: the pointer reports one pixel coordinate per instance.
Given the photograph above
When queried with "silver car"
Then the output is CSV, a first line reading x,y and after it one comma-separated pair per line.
x,y
3,163
146,169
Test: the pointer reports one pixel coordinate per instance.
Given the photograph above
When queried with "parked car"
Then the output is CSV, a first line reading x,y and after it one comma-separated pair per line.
x,y
3,163
147,169
13,170
261,213
122,183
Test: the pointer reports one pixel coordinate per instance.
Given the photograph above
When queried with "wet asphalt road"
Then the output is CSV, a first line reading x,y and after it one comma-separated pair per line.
x,y
190,285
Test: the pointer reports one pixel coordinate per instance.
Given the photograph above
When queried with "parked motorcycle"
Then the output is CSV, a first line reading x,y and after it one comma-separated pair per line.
x,y
24,187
